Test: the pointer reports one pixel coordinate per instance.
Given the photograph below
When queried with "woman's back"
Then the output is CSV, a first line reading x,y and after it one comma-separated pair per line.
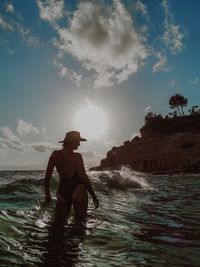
x,y
65,162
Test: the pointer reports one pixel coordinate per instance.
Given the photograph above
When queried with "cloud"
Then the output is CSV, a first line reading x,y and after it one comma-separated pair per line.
x,y
51,10
10,8
5,25
43,147
44,132
142,8
25,34
88,154
16,27
4,42
172,82
147,109
173,36
195,81
105,41
24,128
16,145
8,134
10,140
161,65
63,72
27,37
10,51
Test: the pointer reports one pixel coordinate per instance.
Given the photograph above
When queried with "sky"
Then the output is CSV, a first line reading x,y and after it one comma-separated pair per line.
x,y
59,58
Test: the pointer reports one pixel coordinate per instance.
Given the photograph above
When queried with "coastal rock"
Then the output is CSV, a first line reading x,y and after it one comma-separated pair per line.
x,y
166,145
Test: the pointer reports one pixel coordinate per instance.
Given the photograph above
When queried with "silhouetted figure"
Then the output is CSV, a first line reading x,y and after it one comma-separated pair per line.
x,y
74,182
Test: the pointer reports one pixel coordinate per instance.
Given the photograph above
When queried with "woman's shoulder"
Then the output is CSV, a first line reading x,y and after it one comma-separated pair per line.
x,y
56,153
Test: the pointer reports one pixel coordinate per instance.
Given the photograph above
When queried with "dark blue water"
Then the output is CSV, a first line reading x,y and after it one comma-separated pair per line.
x,y
142,220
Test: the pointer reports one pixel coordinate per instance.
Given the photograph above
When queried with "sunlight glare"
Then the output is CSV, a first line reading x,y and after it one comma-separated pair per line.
x,y
91,121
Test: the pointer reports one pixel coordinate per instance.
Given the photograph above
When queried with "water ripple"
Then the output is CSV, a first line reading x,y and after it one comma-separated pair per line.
x,y
142,220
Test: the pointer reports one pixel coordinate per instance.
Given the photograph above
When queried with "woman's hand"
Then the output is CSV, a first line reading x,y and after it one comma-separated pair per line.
x,y
96,202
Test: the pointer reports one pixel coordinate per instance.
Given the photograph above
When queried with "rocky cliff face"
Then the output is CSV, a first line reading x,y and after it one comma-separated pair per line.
x,y
160,151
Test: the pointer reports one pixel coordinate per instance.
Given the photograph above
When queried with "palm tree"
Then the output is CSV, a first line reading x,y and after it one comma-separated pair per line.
x,y
178,101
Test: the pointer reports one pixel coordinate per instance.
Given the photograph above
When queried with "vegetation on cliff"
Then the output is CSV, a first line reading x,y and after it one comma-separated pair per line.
x,y
167,144
178,101
156,125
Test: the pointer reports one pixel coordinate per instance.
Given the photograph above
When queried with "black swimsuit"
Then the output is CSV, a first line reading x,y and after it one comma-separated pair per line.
x,y
68,185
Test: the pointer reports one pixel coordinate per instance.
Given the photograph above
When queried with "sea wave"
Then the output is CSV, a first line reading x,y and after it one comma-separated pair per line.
x,y
123,179
142,220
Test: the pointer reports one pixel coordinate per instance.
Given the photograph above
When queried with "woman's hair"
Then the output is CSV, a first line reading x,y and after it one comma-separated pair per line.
x,y
65,144
69,144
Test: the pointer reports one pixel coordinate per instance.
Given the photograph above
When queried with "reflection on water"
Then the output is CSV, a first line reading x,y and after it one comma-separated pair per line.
x,y
62,247
141,221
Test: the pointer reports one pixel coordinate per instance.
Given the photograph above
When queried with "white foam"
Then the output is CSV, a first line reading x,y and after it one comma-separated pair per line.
x,y
123,178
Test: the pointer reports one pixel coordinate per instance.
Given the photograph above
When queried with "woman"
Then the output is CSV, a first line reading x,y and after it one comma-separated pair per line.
x,y
74,182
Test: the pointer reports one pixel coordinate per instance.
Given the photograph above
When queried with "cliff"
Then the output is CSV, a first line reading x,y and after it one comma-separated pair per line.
x,y
166,145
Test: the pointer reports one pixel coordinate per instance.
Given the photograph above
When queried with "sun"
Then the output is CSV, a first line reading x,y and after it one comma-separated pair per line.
x,y
91,121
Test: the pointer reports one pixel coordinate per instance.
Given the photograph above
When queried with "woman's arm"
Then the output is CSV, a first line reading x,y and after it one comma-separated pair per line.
x,y
84,177
48,176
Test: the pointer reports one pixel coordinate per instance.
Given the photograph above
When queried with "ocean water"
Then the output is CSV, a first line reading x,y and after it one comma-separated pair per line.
x,y
142,220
